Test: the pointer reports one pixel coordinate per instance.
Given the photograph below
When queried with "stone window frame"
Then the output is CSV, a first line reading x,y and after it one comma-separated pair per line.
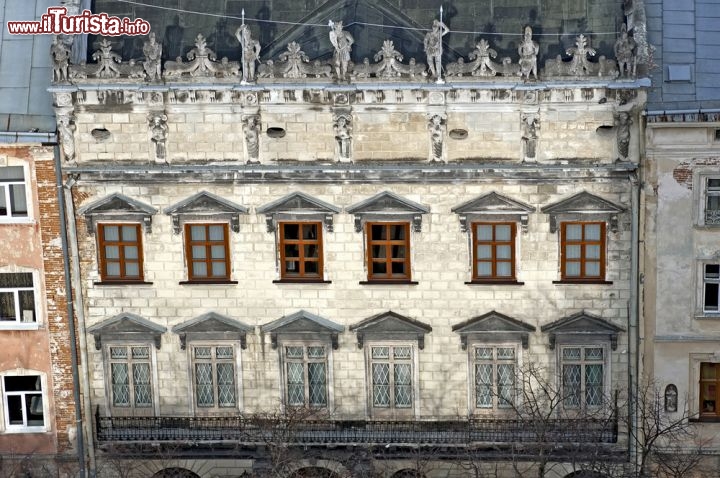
x,y
583,343
188,244
701,192
700,290
113,410
102,261
5,191
517,361
283,361
39,316
5,427
237,376
391,412
693,383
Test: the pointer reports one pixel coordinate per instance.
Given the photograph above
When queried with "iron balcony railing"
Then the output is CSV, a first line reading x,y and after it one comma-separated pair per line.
x,y
253,430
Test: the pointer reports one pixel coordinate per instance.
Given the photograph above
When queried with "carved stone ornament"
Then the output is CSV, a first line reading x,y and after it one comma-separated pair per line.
x,y
436,127
625,53
493,207
205,206
623,120
201,62
298,206
583,206
60,54
583,325
126,327
385,206
251,131
303,324
342,124
250,52
294,64
342,42
108,65
580,64
481,63
530,126
433,48
153,54
158,134
493,325
528,51
117,207
389,65
390,326
66,132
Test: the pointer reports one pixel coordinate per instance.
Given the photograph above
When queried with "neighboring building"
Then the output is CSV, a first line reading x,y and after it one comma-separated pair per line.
x,y
681,179
37,408
391,253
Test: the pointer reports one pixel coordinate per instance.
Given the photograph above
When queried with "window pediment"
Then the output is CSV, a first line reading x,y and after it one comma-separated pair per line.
x,y
582,324
126,326
495,325
117,207
205,206
390,326
298,206
581,207
493,207
212,326
303,324
388,206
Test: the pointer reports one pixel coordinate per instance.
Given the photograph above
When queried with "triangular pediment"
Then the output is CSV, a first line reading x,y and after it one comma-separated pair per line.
x,y
211,322
387,202
126,326
203,203
583,202
493,203
297,202
582,324
492,322
391,326
117,203
304,324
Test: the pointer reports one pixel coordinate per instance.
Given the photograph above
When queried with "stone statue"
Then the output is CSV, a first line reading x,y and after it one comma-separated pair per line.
x,y
158,134
622,123
66,131
530,125
250,52
625,48
343,135
107,60
60,55
342,41
433,47
528,51
153,55
435,125
251,126
580,65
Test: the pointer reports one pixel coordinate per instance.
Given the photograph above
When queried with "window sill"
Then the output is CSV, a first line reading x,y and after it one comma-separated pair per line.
x,y
388,282
11,221
122,283
581,282
301,281
208,282
494,282
12,325
708,316
704,420
15,431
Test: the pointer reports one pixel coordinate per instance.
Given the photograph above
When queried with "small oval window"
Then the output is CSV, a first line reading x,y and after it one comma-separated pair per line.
x,y
276,132
100,134
458,133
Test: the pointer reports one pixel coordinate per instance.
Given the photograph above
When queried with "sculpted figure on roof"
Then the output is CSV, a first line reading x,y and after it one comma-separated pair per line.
x,y
342,41
250,52
528,51
433,47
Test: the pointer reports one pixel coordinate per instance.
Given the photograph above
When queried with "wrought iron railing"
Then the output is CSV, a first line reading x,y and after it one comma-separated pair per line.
x,y
254,430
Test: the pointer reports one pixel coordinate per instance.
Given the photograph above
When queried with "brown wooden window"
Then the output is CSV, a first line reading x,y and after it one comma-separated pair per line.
x,y
583,251
388,246
709,389
494,251
301,250
120,252
207,251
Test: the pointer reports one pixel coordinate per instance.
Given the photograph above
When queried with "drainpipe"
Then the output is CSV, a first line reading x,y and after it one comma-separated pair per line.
x,y
633,320
80,311
70,314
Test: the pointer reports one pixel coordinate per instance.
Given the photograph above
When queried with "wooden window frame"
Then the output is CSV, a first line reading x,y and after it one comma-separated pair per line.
x,y
301,275
493,245
704,412
582,260
208,256
388,243
102,243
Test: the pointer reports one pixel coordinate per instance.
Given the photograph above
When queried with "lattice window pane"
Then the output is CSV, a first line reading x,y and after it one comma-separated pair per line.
x,y
316,352
294,352
571,353
120,384
296,384
506,385
402,353
202,352
571,385
593,384
204,385
224,352
594,353
317,384
403,385
226,383
140,353
506,353
141,381
118,352
380,352
484,353
381,384
483,385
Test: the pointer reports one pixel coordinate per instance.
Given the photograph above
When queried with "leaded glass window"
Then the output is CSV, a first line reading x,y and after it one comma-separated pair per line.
x,y
391,369
494,373
306,376
214,376
583,376
130,377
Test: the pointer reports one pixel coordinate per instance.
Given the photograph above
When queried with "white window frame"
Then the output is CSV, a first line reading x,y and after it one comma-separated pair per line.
x,y
6,192
583,363
702,289
236,361
700,195
5,427
19,324
328,374
391,411
131,410
472,393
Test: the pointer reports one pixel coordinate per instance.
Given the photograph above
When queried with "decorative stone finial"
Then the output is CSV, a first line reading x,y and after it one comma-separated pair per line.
x,y
343,135
66,131
158,134
528,51
433,47
107,60
342,41
625,48
201,63
60,54
152,50
580,64
530,125
250,52
251,129
436,127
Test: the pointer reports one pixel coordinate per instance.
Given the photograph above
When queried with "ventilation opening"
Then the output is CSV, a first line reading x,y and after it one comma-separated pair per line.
x,y
276,132
458,133
604,130
100,134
